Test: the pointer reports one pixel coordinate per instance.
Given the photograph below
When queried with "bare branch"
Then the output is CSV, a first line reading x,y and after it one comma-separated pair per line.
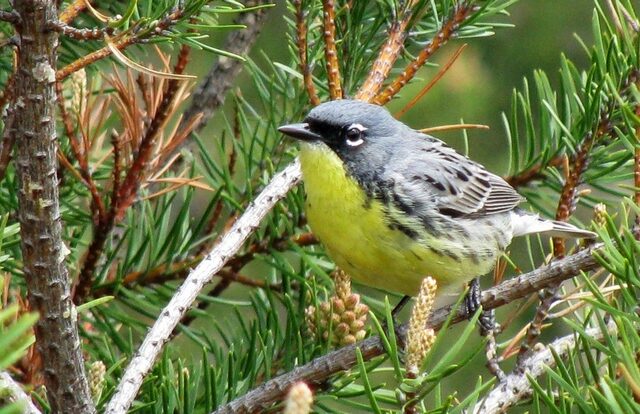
x,y
517,386
320,369
16,394
151,347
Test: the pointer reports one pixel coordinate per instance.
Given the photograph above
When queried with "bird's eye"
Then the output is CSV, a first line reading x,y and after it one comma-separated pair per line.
x,y
354,135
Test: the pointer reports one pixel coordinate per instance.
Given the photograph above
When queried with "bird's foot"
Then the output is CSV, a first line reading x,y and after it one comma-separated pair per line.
x,y
488,328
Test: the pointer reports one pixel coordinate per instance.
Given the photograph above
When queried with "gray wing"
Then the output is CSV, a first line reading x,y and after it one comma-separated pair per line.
x,y
433,175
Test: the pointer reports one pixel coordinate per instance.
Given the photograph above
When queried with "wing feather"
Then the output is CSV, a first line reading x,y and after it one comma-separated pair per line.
x,y
437,177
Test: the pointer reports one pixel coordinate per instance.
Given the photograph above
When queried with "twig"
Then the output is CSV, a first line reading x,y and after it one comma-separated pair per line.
x,y
533,173
43,250
330,52
12,391
79,34
517,386
9,16
8,139
387,56
301,37
448,29
320,369
73,10
122,41
151,347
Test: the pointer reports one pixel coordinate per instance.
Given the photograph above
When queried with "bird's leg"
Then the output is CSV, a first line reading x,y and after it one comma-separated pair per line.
x,y
472,303
403,302
394,318
488,328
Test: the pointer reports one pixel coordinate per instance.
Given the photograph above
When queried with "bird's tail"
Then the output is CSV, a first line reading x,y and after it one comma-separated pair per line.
x,y
527,223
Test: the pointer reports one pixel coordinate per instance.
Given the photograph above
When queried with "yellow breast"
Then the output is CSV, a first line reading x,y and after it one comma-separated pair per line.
x,y
357,236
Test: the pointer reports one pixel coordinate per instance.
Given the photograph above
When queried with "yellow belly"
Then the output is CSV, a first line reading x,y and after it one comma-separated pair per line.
x,y
357,237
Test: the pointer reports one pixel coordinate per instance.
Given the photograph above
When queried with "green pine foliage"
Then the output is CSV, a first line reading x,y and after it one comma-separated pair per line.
x,y
241,335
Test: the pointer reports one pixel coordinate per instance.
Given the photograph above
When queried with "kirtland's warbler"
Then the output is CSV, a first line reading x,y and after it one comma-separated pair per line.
x,y
393,205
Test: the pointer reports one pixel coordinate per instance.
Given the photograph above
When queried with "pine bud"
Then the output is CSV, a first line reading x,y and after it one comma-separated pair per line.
x,y
299,399
420,339
97,371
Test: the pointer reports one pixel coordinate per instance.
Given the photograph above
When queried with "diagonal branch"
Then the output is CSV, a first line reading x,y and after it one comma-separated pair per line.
x,y
229,244
12,391
449,28
73,10
320,369
389,53
121,42
517,386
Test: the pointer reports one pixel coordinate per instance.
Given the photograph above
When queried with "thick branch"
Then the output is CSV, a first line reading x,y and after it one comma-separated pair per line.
x,y
43,251
318,370
11,392
151,347
517,386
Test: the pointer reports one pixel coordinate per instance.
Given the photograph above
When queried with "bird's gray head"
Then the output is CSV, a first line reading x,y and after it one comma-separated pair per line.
x,y
348,127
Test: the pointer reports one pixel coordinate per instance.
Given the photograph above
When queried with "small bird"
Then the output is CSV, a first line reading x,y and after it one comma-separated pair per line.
x,y
393,205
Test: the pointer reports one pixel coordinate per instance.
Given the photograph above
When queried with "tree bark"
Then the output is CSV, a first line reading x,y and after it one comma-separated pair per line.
x,y
43,251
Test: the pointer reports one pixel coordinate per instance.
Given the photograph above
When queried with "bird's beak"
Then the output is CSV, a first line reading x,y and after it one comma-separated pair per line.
x,y
300,131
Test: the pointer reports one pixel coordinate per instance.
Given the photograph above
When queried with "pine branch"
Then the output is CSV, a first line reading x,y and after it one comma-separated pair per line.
x,y
387,55
302,44
330,52
151,347
517,385
460,13
43,251
320,369
16,394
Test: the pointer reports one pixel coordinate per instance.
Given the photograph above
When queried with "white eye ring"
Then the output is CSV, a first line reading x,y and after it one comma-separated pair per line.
x,y
359,141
